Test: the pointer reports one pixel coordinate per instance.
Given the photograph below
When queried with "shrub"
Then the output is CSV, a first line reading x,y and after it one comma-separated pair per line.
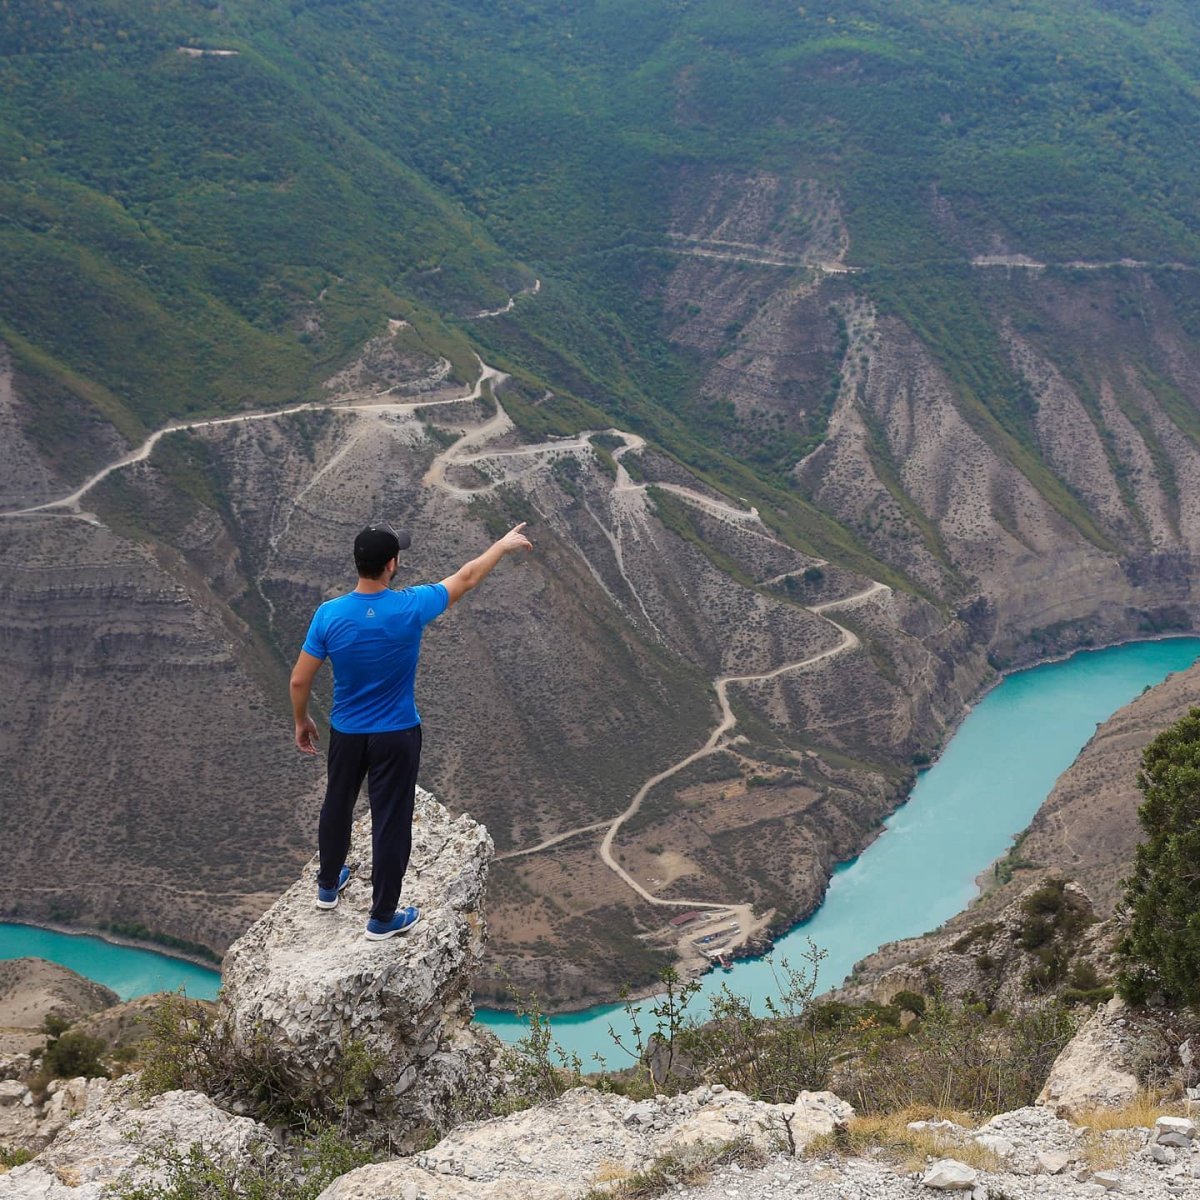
x,y
689,1167
1160,948
984,932
958,1057
198,1174
192,1046
540,1068
774,1056
907,1001
70,1053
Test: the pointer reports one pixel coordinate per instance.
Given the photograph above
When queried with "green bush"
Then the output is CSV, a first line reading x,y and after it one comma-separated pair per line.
x,y
72,1053
912,1002
1160,948
199,1174
957,1057
192,1046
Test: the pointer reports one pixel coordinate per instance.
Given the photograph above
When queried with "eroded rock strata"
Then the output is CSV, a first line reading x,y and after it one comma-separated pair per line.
x,y
159,616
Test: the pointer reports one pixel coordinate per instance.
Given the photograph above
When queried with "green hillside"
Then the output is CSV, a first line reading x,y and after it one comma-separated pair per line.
x,y
171,220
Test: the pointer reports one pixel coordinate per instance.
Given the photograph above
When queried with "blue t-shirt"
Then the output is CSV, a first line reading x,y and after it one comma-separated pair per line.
x,y
374,641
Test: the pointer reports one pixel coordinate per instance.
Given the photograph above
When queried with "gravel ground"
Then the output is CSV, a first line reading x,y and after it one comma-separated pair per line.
x,y
859,1179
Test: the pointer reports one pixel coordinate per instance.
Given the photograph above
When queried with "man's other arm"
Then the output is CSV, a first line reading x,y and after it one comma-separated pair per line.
x,y
472,574
303,674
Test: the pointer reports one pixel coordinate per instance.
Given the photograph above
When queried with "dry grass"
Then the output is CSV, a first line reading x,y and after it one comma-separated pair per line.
x,y
610,1172
1108,1144
1140,1113
1108,1150
689,1167
889,1137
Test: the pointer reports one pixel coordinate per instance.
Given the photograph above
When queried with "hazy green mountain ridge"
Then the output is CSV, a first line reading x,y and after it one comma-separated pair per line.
x,y
223,194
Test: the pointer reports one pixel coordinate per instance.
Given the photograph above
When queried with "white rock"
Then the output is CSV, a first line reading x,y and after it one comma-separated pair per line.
x,y
947,1127
1162,1154
1053,1162
109,1144
72,1098
948,1174
12,1091
817,1113
1091,1071
1174,1131
309,981
1109,1180
996,1143
563,1149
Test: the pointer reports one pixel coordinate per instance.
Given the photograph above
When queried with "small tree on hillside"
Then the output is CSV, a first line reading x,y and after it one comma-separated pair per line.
x,y
1161,907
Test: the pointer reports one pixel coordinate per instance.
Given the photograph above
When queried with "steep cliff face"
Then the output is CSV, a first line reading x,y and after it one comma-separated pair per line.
x,y
306,984
1063,514
144,779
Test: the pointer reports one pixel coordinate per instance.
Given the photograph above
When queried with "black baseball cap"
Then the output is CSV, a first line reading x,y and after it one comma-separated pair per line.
x,y
377,545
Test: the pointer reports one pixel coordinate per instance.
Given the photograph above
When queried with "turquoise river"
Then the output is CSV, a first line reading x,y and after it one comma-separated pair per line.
x,y
963,813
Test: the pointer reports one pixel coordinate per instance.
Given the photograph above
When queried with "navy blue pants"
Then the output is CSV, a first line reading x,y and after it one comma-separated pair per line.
x,y
388,762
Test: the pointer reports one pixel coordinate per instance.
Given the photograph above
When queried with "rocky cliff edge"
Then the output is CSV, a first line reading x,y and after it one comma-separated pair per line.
x,y
395,1013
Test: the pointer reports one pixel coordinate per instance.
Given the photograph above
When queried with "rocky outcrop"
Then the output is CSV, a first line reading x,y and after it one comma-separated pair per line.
x,y
115,1142
1035,944
587,1141
560,1150
1094,1069
32,989
305,982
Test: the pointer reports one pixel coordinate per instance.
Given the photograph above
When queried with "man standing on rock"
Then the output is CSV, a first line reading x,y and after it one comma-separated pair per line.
x,y
373,637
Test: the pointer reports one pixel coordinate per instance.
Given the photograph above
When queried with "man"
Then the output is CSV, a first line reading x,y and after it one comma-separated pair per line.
x,y
373,637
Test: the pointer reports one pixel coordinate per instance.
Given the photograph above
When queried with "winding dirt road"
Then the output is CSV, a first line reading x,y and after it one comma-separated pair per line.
x,y
468,450
714,744
71,502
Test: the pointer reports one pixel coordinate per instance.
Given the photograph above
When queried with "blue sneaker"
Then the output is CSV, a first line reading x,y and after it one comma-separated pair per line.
x,y
328,897
402,922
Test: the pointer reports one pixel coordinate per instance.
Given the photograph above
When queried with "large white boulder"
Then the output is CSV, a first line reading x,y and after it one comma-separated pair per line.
x,y
818,1113
1092,1071
307,983
949,1175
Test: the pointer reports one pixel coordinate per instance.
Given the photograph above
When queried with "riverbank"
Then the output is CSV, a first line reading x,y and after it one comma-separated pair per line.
x,y
770,933
117,939
962,814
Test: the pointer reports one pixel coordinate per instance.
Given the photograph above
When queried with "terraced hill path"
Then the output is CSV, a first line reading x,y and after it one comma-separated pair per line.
x,y
469,450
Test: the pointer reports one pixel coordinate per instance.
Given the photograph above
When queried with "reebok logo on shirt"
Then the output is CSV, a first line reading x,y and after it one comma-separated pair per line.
x,y
370,612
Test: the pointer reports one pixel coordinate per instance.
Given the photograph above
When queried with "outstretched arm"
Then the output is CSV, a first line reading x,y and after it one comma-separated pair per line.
x,y
303,674
472,574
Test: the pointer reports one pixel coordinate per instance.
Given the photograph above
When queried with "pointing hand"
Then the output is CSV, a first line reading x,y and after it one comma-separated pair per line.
x,y
514,539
